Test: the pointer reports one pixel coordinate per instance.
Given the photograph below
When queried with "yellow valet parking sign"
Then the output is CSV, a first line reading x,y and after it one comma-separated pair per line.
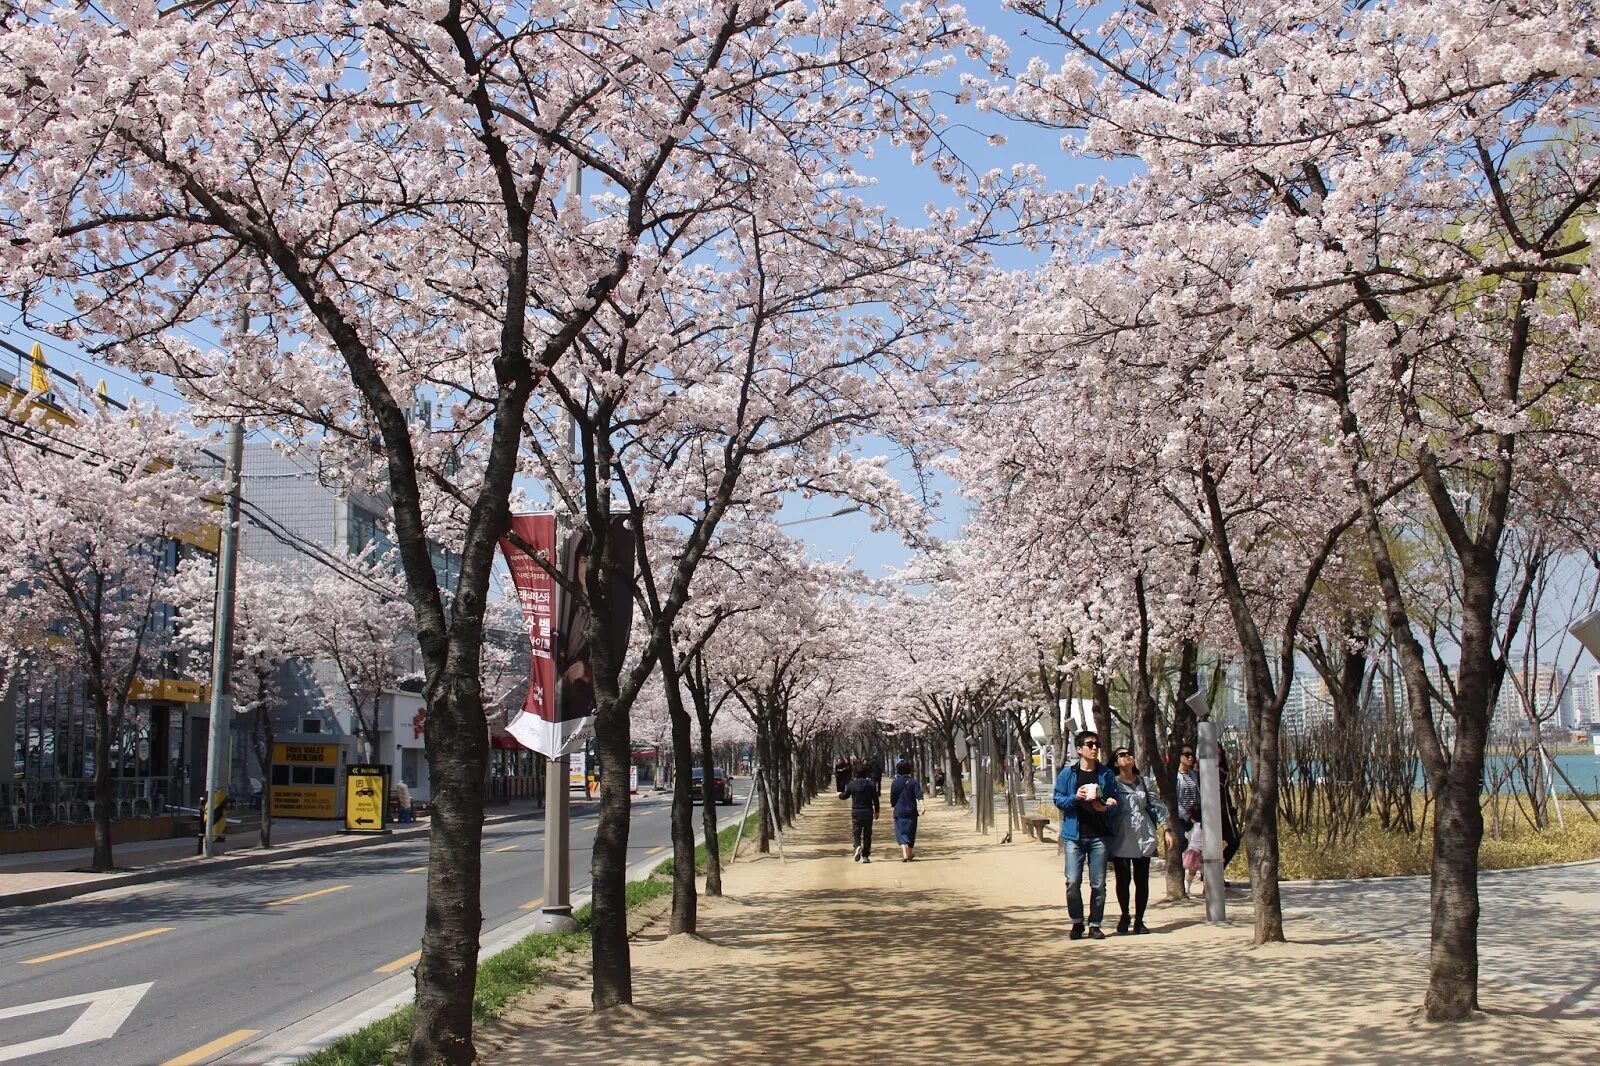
x,y
366,799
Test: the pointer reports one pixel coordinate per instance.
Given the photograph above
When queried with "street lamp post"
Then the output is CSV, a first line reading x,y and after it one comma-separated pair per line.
x,y
555,913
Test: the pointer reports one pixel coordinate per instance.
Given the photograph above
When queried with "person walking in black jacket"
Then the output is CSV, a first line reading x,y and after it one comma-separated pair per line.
x,y
841,774
862,792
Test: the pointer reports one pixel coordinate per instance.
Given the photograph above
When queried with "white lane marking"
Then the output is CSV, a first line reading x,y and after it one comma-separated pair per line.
x,y
106,1012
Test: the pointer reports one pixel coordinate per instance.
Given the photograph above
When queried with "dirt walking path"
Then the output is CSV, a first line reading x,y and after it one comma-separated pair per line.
x,y
962,957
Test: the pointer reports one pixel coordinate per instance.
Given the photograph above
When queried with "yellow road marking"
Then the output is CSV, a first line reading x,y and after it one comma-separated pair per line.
x,y
307,895
532,904
655,851
508,847
399,964
205,1051
417,870
100,944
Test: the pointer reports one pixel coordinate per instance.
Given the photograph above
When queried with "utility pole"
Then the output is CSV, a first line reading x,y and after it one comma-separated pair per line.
x,y
218,770
1211,844
555,914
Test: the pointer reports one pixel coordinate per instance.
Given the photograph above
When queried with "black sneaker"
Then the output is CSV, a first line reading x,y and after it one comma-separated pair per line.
x,y
1095,933
1140,927
1122,925
1077,931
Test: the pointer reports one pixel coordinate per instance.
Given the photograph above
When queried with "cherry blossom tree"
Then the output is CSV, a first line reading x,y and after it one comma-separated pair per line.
x,y
1381,211
90,504
371,205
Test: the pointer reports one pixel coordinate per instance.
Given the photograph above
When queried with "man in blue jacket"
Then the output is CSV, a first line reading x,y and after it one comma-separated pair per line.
x,y
1086,795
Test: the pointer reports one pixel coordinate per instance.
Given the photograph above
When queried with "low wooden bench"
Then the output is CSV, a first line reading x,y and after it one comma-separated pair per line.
x,y
1033,825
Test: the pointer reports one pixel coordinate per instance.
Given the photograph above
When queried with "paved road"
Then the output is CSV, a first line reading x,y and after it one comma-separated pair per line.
x,y
1539,930
253,949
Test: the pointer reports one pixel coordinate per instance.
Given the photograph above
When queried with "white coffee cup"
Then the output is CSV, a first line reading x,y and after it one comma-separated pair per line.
x,y
1091,792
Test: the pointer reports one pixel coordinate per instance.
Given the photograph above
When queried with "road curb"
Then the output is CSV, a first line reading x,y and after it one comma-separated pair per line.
x,y
254,857
306,1037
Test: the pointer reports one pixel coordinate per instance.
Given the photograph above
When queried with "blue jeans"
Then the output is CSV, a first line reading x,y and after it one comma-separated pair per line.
x,y
1095,850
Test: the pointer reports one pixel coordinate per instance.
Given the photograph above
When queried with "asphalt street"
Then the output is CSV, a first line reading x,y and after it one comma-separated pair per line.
x,y
150,973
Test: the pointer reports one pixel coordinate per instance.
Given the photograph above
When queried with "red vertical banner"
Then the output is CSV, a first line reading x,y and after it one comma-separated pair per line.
x,y
536,590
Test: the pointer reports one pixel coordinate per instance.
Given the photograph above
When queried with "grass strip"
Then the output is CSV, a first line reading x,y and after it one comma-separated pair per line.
x,y
724,845
502,977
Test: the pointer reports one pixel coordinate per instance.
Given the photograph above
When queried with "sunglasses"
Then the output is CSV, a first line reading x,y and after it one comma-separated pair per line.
x,y
1188,755
1124,754
1090,744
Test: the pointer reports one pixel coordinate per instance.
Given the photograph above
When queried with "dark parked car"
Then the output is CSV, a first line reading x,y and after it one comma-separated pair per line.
x,y
721,785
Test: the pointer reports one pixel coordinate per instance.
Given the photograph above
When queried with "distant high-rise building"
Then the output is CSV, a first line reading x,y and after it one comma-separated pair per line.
x,y
1583,689
1525,694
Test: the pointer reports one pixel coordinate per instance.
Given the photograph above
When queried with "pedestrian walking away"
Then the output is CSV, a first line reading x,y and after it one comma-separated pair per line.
x,y
1085,793
1188,807
402,803
1230,813
1134,842
906,801
862,792
841,774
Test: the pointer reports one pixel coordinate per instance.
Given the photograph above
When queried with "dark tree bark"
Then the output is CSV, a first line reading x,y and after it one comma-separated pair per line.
x,y
104,795
1182,731
685,905
263,738
698,681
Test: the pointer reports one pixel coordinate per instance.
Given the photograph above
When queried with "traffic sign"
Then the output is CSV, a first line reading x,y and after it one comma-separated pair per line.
x,y
366,799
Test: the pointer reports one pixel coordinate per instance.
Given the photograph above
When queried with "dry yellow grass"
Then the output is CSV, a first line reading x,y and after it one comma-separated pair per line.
x,y
1376,852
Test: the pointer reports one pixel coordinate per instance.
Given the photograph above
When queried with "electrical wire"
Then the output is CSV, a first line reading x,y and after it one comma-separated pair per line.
x,y
318,553
50,345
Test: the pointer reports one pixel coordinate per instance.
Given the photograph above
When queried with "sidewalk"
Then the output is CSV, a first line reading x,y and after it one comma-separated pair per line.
x,y
962,956
48,876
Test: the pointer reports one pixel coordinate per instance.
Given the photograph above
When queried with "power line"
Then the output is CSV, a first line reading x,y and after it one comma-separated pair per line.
x,y
319,553
115,372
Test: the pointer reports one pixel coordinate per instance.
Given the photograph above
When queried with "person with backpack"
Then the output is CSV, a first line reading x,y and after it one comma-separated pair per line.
x,y
862,792
906,802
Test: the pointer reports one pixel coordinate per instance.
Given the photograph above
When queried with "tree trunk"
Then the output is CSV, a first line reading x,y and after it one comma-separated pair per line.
x,y
708,812
1182,732
1100,700
1453,892
958,792
684,903
1261,814
696,680
613,967
264,758
458,755
763,757
104,799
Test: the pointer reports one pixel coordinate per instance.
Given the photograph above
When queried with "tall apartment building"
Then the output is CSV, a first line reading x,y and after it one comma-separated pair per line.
x,y
1583,694
1523,693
